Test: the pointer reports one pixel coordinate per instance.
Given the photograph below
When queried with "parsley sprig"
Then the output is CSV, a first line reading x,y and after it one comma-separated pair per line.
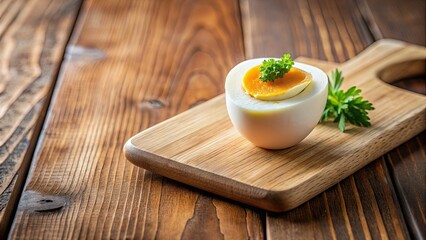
x,y
272,69
346,106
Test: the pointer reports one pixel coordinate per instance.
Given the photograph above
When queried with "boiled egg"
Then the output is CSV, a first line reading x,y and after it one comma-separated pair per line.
x,y
279,114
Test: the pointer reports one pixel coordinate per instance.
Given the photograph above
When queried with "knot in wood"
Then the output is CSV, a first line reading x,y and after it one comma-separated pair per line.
x,y
39,202
152,104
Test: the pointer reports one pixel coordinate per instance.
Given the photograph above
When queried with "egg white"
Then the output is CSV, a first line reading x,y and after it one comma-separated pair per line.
x,y
275,124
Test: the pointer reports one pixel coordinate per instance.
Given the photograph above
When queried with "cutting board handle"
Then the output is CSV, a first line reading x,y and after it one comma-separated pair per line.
x,y
386,61
412,68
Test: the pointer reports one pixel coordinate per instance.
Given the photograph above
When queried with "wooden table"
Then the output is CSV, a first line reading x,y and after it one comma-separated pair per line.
x,y
78,78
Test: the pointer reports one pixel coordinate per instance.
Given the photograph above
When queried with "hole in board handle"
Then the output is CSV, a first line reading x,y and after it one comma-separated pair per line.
x,y
409,75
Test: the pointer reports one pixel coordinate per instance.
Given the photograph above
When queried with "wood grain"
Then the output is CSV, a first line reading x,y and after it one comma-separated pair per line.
x,y
358,23
402,20
33,35
326,30
405,20
131,64
407,167
347,22
201,147
360,207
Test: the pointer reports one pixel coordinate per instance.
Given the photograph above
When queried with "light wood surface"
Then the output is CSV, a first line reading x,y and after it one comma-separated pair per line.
x,y
33,36
201,148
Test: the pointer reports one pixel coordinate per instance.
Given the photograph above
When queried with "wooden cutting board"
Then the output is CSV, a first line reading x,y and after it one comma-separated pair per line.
x,y
200,147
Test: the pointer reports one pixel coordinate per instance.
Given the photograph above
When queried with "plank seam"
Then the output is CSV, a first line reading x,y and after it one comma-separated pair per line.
x,y
248,52
376,34
368,19
243,5
400,200
36,138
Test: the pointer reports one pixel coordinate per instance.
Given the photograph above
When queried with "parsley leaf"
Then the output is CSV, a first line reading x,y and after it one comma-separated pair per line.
x,y
272,69
346,106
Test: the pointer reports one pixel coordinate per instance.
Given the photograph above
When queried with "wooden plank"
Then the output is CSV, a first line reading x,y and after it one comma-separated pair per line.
x,y
407,166
364,205
304,28
33,35
202,148
130,65
360,207
405,20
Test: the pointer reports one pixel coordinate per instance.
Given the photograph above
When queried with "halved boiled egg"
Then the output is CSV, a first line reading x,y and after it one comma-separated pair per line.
x,y
277,114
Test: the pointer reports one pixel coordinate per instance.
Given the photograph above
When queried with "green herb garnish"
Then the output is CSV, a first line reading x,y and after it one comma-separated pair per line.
x,y
346,106
272,69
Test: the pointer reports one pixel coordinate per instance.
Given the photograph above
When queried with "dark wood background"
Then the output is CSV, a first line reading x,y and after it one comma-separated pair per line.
x,y
77,78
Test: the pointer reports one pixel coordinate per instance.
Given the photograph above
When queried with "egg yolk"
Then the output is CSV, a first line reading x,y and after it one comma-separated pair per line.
x,y
273,90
